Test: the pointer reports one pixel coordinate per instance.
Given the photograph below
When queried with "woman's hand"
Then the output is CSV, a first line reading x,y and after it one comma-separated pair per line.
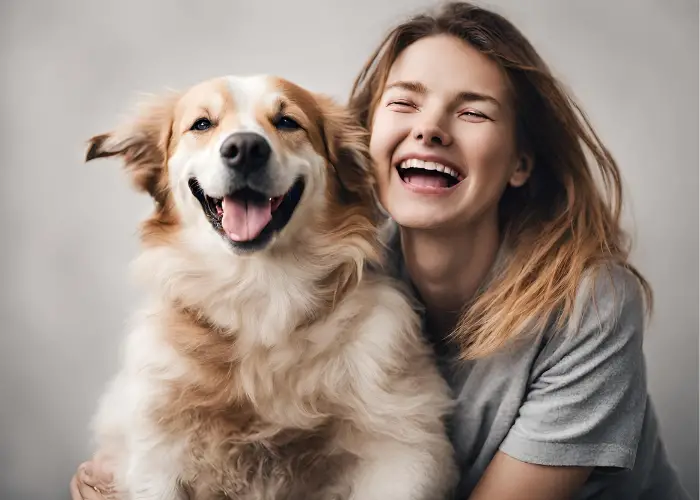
x,y
93,481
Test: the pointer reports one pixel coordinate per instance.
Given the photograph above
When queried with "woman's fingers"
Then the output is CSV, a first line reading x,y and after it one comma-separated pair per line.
x,y
74,490
80,490
91,482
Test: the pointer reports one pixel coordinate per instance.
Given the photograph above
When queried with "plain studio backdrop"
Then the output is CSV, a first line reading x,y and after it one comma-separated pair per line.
x,y
70,69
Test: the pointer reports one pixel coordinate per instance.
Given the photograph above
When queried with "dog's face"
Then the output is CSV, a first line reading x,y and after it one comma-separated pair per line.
x,y
249,158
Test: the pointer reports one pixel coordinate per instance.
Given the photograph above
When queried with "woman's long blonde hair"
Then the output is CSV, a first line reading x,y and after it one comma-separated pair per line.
x,y
561,224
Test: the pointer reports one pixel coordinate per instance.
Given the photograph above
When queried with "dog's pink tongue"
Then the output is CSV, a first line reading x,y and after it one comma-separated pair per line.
x,y
244,221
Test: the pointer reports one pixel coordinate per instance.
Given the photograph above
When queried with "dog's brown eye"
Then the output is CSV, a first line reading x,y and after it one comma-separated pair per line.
x,y
286,123
201,124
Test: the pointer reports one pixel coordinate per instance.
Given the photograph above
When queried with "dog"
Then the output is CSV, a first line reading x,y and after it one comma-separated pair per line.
x,y
272,359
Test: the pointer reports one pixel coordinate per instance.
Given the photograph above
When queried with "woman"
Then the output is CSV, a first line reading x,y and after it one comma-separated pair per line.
x,y
484,165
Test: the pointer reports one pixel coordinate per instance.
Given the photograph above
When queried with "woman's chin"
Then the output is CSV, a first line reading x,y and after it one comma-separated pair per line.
x,y
419,211
415,217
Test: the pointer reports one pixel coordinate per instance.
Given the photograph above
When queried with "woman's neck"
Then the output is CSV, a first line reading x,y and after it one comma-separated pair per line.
x,y
447,268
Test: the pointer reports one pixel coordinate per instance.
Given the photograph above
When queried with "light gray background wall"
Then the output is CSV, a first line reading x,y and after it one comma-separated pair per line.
x,y
69,68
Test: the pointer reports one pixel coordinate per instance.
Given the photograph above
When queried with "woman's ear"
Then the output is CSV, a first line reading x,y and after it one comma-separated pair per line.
x,y
142,142
522,171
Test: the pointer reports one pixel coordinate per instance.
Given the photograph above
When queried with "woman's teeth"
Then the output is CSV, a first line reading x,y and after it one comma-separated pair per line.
x,y
430,165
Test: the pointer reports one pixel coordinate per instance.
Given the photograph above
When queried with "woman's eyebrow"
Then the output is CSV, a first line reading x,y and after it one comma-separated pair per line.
x,y
417,87
469,96
464,96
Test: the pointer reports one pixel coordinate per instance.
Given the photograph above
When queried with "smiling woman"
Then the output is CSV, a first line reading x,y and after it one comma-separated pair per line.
x,y
453,101
488,170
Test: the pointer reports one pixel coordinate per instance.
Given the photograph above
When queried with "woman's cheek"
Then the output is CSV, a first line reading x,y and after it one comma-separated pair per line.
x,y
385,137
377,144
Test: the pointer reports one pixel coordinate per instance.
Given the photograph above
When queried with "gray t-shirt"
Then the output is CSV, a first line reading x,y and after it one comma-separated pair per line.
x,y
574,396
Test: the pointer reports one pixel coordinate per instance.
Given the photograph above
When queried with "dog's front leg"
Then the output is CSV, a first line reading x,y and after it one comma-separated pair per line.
x,y
396,471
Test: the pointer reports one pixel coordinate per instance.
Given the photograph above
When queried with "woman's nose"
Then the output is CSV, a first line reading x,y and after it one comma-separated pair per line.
x,y
429,132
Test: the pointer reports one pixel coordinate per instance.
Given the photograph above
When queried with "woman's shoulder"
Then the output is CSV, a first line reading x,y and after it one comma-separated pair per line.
x,y
608,315
613,291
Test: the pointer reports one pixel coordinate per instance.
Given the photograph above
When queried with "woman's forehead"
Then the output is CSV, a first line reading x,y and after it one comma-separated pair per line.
x,y
447,64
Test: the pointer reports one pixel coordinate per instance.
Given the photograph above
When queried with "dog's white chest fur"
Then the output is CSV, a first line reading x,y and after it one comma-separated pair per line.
x,y
350,404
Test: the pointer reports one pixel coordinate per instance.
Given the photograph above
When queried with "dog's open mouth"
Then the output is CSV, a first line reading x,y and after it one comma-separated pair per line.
x,y
246,217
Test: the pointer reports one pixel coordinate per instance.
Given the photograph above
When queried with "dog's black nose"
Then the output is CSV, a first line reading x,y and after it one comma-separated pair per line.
x,y
245,151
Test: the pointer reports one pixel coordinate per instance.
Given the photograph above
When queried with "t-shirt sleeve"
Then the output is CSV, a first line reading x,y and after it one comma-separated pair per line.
x,y
587,393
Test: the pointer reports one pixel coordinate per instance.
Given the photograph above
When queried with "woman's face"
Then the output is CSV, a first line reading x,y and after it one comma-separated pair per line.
x,y
443,136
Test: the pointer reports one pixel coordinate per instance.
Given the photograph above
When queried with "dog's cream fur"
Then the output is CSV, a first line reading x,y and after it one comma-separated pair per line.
x,y
293,372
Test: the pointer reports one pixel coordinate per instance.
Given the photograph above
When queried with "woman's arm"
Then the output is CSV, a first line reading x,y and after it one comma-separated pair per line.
x,y
509,479
585,404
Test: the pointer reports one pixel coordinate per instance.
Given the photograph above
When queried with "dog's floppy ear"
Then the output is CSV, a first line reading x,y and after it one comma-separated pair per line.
x,y
142,141
347,151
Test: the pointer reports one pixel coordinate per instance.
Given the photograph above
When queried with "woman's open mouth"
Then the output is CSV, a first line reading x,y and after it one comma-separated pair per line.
x,y
248,218
428,175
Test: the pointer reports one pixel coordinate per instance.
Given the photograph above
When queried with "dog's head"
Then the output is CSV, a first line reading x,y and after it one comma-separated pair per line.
x,y
253,160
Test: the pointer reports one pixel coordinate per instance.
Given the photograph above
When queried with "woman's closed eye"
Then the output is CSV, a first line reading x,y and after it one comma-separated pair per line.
x,y
401,105
473,116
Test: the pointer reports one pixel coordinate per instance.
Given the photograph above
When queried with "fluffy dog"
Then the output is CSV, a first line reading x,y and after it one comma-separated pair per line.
x,y
270,361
